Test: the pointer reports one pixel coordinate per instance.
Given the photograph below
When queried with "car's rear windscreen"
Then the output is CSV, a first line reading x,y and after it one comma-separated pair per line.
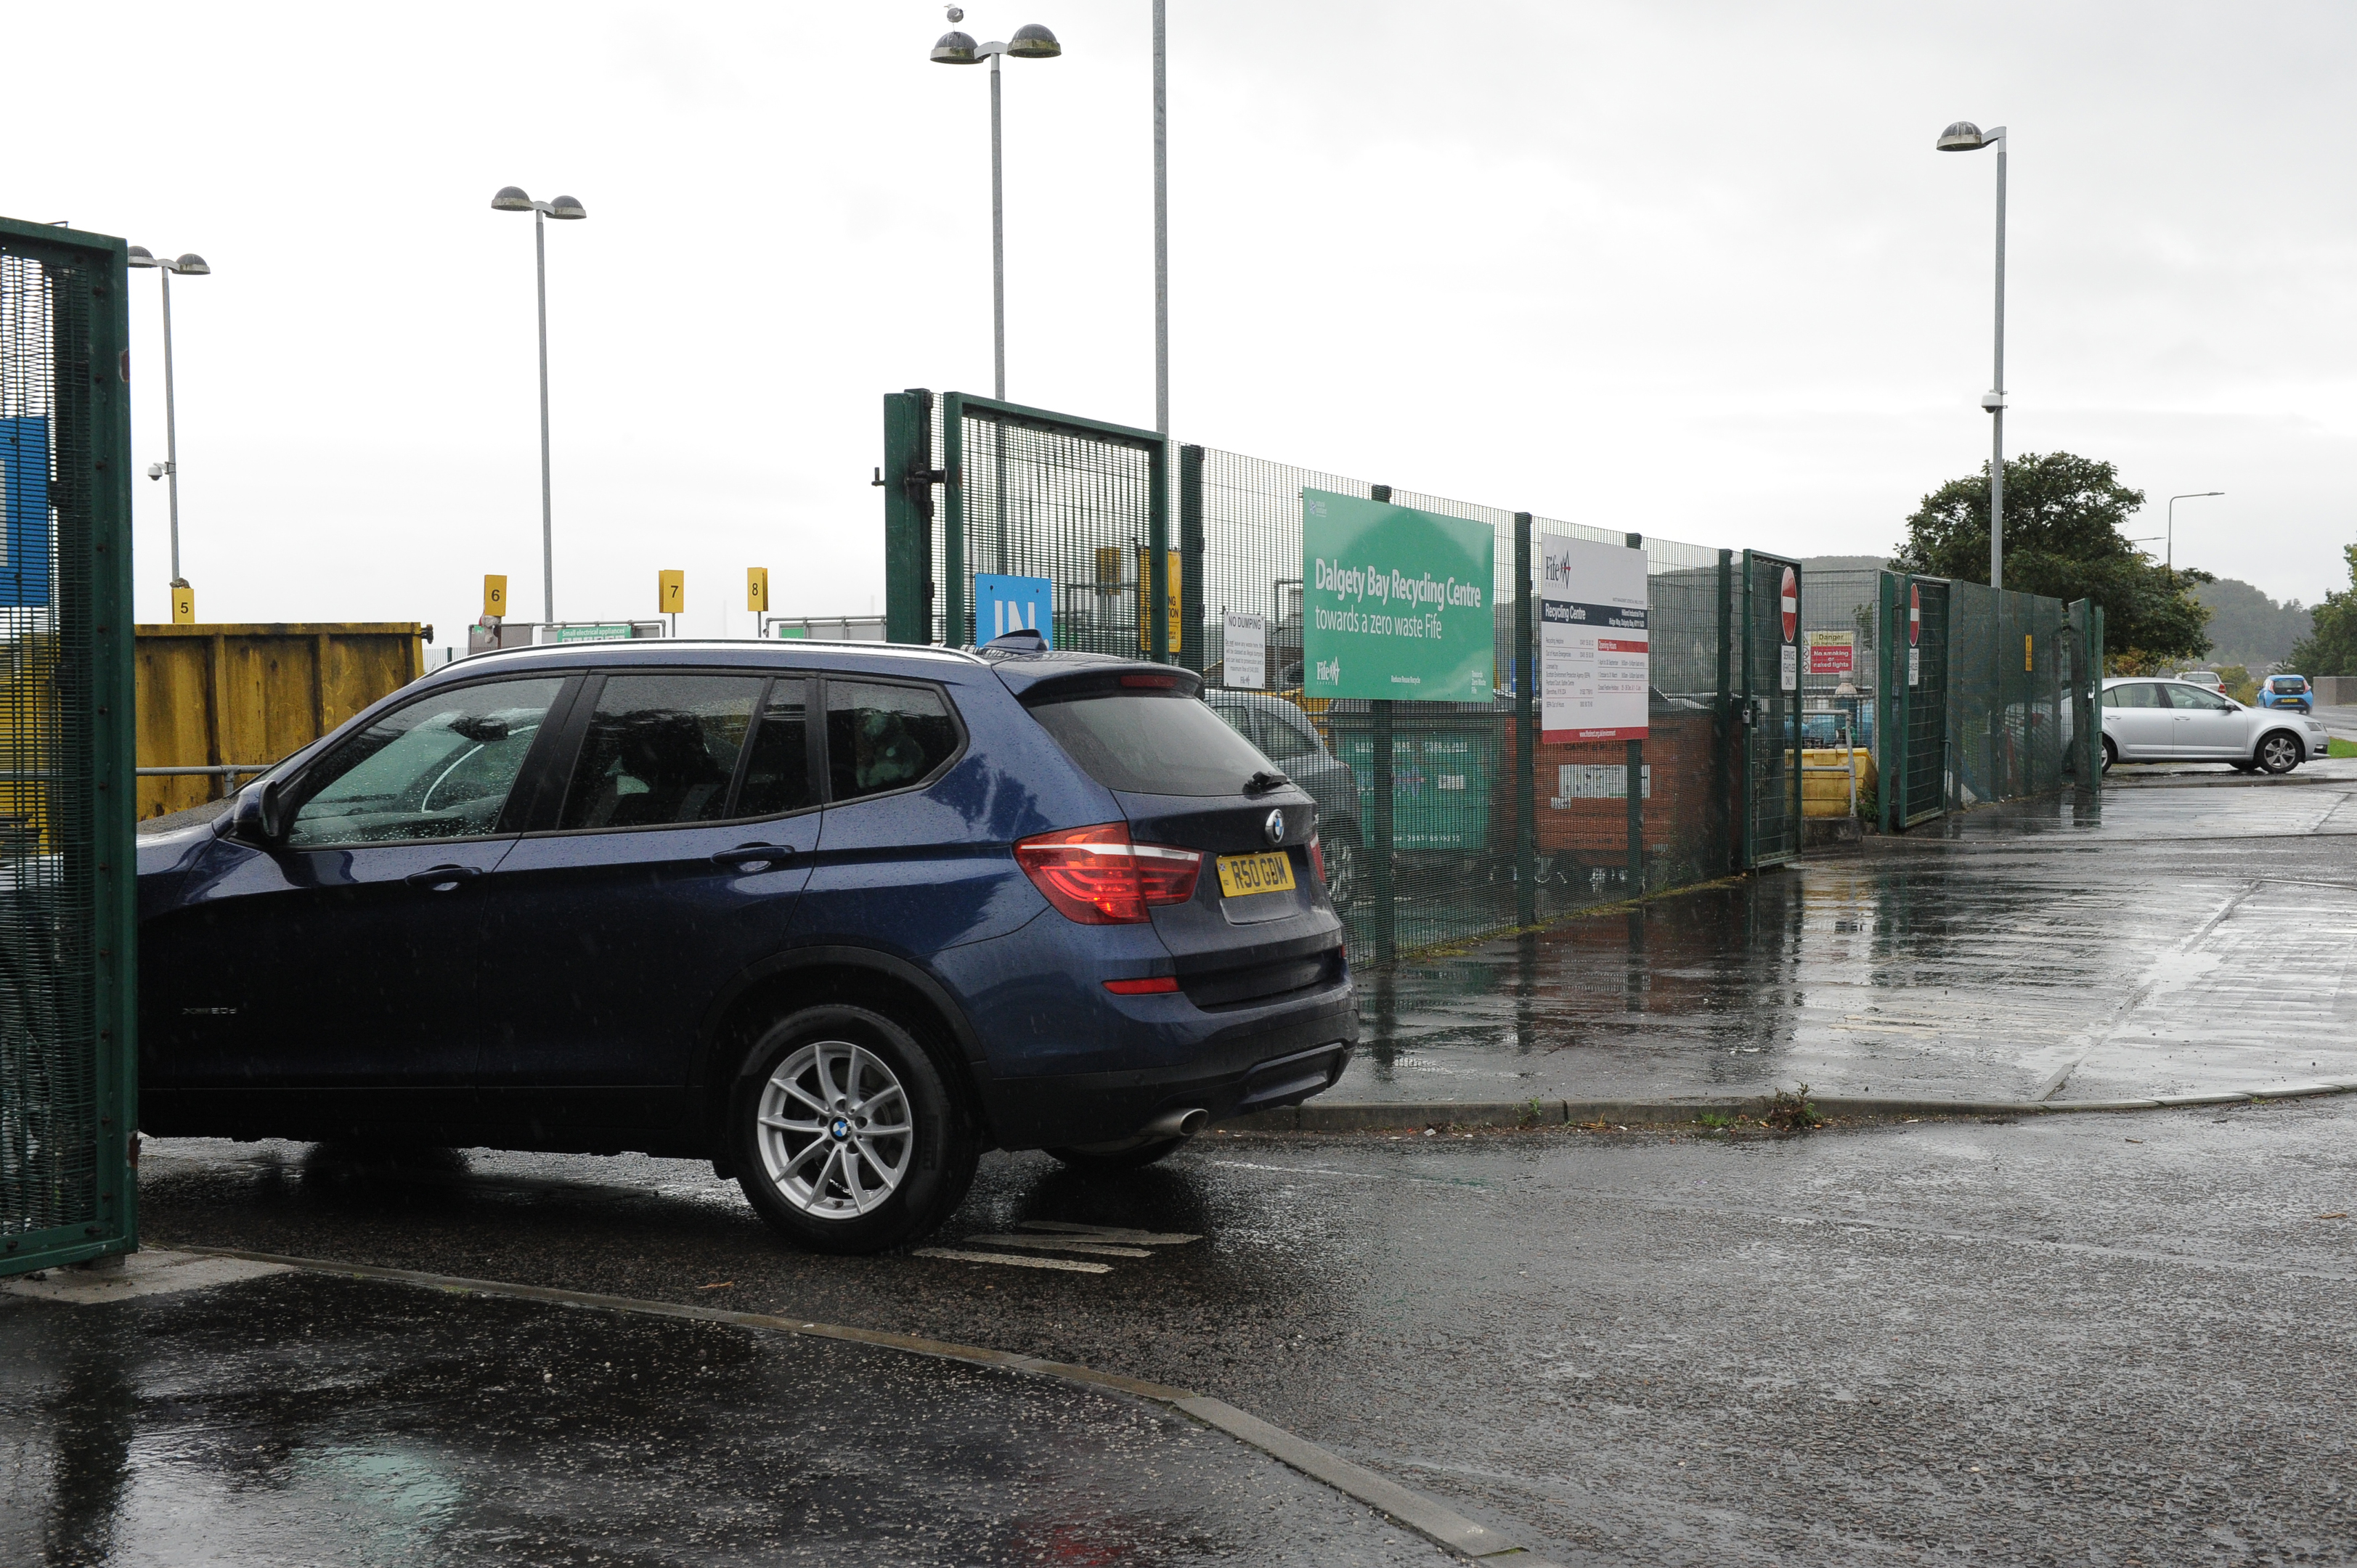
x,y
1151,743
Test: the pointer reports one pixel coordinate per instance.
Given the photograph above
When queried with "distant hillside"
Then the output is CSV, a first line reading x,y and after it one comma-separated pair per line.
x,y
2246,627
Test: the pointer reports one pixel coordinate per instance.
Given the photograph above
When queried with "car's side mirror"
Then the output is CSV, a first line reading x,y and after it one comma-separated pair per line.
x,y
259,817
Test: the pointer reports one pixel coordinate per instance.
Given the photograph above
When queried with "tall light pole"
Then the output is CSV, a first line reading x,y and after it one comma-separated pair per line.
x,y
1964,137
1161,241
189,265
2188,496
511,199
1031,42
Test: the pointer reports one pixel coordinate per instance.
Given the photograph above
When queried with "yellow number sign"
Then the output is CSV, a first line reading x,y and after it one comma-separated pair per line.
x,y
2024,653
757,589
670,592
495,595
184,605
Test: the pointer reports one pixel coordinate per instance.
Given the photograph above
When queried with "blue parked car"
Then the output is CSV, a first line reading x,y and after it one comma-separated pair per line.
x,y
835,918
2287,691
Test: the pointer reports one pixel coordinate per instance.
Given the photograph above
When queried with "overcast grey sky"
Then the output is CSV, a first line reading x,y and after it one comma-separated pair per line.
x,y
1688,268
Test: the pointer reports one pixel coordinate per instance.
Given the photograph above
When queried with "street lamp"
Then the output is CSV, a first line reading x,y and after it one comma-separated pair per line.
x,y
511,199
2188,496
1964,137
189,265
1031,42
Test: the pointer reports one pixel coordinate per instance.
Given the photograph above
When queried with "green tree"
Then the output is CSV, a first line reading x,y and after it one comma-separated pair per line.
x,y
2332,647
2063,539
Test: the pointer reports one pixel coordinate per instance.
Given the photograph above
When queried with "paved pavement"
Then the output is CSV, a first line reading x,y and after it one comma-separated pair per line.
x,y
2096,1338
2195,933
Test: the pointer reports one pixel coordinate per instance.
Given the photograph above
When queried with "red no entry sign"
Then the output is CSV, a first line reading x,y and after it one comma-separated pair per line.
x,y
1791,594
1914,613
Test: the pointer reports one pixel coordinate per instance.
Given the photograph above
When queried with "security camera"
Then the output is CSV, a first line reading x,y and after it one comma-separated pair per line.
x,y
157,470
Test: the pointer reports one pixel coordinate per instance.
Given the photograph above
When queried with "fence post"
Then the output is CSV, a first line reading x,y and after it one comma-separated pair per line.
x,y
2095,697
1726,732
907,480
1637,769
1889,702
1192,646
1379,826
1526,893
954,585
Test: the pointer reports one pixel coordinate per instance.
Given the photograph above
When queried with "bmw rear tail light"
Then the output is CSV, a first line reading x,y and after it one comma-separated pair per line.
x,y
1317,858
1096,876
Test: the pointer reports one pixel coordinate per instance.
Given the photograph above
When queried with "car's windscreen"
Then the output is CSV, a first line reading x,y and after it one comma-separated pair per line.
x,y
1150,743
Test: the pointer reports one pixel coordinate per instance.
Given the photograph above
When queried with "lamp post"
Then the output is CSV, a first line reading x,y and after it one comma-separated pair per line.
x,y
512,199
2188,496
189,265
1031,42
1964,137
1161,241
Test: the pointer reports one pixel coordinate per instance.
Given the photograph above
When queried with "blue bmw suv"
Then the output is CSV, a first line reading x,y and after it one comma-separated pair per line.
x,y
837,917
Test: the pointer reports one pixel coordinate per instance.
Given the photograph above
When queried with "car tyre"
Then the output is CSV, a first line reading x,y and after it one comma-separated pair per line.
x,y
847,1133
2278,752
1111,1158
1341,853
2111,754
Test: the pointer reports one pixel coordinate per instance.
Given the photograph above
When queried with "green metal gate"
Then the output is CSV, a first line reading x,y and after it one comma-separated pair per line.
x,y
1770,756
1028,493
67,967
1914,761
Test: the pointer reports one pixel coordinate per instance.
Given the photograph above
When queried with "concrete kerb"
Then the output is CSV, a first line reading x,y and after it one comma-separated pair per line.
x,y
1324,1116
1442,1526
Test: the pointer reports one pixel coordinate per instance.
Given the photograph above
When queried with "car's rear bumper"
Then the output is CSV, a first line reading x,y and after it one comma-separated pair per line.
x,y
1218,1063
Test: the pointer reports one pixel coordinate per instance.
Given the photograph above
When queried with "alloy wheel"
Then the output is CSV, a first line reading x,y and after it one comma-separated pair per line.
x,y
835,1134
2278,753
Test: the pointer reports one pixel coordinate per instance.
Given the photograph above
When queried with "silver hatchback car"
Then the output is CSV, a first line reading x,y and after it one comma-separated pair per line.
x,y
2148,720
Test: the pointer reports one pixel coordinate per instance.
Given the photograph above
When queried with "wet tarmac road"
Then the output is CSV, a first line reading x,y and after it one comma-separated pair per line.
x,y
2076,1339
2197,933
303,1418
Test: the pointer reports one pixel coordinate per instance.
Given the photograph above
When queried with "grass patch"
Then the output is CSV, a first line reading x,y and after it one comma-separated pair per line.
x,y
2337,746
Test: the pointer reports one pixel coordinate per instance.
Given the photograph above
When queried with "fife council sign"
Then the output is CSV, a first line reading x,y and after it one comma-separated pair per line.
x,y
1594,650
1395,602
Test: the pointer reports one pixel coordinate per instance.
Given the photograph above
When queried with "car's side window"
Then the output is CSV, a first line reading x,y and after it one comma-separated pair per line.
x,y
660,748
439,768
778,773
882,737
2195,699
2138,695
1279,741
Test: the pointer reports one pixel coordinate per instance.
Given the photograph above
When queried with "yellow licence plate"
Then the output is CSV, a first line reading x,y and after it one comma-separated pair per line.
x,y
1241,874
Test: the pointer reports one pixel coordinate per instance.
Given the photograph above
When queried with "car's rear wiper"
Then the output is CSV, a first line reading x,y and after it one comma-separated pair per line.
x,y
1262,782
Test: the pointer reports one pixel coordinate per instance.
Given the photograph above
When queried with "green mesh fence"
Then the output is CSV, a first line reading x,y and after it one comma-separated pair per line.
x,y
65,711
1462,822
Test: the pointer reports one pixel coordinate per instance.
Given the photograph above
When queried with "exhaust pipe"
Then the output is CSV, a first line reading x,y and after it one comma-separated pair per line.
x,y
1176,1124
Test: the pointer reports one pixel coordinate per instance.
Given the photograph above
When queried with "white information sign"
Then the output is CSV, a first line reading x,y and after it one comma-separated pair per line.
x,y
1914,666
1792,681
1586,781
1244,652
1593,669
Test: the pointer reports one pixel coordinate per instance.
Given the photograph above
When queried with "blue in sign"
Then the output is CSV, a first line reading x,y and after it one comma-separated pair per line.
x,y
25,511
1002,605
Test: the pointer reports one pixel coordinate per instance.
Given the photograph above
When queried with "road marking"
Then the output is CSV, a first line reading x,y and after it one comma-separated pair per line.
x,y
1096,1249
1109,1233
1013,1260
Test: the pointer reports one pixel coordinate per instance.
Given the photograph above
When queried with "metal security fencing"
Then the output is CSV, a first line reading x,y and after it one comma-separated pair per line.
x,y
67,1106
1465,820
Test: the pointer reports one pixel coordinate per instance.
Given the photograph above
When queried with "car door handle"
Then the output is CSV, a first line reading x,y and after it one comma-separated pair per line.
x,y
443,878
754,857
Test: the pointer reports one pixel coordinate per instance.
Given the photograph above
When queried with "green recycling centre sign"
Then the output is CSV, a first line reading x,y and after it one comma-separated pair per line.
x,y
1395,601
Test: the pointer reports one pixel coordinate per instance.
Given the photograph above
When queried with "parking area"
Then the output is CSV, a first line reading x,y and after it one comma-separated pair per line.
x,y
2086,1338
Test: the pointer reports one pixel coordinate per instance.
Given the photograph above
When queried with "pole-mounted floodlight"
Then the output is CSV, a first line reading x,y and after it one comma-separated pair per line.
x,y
1031,42
512,198
1964,137
188,264
2170,566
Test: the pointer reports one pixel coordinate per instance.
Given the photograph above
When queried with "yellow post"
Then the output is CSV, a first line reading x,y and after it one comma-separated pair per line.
x,y
2024,653
757,589
184,603
670,592
495,595
1146,595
